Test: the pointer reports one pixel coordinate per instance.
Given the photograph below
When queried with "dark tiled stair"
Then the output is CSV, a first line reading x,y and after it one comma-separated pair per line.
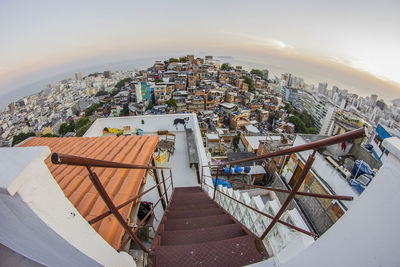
x,y
195,231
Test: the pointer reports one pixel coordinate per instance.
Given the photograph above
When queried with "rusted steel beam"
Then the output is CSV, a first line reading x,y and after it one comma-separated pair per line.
x,y
165,188
106,198
105,214
216,183
271,217
293,192
307,194
172,180
57,158
358,133
158,182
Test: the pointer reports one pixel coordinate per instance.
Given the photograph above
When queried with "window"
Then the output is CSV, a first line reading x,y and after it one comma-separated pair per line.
x,y
378,140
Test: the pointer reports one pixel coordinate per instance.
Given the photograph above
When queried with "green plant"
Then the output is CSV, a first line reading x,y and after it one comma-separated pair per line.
x,y
226,67
21,137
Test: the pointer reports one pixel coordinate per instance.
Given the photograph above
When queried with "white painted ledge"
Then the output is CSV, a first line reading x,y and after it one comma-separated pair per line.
x,y
15,165
393,145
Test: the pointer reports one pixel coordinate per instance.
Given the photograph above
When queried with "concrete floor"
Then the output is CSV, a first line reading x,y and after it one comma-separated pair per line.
x,y
182,175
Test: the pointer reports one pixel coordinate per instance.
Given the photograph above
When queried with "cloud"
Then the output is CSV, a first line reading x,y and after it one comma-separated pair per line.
x,y
280,44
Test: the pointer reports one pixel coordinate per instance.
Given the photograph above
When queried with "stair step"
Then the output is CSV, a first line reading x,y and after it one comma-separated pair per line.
x,y
197,222
182,237
238,251
193,188
193,194
185,206
173,214
191,201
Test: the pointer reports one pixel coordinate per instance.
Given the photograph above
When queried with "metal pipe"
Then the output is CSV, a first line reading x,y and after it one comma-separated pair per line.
x,y
106,198
202,178
165,188
158,182
216,183
358,133
105,214
172,180
307,194
296,187
271,217
57,158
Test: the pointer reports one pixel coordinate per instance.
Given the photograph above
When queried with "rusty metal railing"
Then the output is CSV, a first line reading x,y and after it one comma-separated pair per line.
x,y
57,158
359,133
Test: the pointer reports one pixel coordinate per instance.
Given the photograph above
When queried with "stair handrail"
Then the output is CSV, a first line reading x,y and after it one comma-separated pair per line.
x,y
267,215
58,158
348,136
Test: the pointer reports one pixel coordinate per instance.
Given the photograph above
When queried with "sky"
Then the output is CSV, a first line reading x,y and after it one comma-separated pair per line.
x,y
352,44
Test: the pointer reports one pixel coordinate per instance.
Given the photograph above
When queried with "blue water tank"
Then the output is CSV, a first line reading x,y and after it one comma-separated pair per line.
x,y
223,182
228,170
247,169
238,169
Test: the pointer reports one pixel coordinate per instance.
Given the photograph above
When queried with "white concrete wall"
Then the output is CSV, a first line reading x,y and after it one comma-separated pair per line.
x,y
39,222
367,234
337,151
152,124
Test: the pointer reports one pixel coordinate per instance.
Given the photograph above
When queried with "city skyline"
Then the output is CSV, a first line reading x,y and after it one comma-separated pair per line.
x,y
309,39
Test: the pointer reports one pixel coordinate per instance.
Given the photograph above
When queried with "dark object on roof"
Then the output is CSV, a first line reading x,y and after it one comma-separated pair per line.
x,y
361,167
233,156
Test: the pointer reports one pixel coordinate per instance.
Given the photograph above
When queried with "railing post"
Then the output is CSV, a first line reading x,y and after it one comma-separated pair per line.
x,y
295,188
172,180
165,188
106,198
159,186
216,183
202,177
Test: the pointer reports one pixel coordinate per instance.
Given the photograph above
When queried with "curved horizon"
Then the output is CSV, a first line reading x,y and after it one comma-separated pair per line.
x,y
356,51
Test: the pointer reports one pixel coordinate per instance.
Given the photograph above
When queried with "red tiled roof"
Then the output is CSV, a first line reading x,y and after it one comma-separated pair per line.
x,y
120,184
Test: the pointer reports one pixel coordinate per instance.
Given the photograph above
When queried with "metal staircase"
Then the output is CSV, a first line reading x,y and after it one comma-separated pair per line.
x,y
195,231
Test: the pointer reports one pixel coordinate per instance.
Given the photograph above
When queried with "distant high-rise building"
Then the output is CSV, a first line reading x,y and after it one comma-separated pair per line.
x,y
381,104
143,91
265,74
374,98
190,58
322,88
78,76
107,74
208,59
287,77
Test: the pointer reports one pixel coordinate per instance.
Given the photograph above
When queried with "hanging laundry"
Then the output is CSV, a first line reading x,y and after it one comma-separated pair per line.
x,y
343,146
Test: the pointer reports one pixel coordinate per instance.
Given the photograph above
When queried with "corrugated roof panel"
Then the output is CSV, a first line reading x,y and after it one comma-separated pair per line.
x,y
120,184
